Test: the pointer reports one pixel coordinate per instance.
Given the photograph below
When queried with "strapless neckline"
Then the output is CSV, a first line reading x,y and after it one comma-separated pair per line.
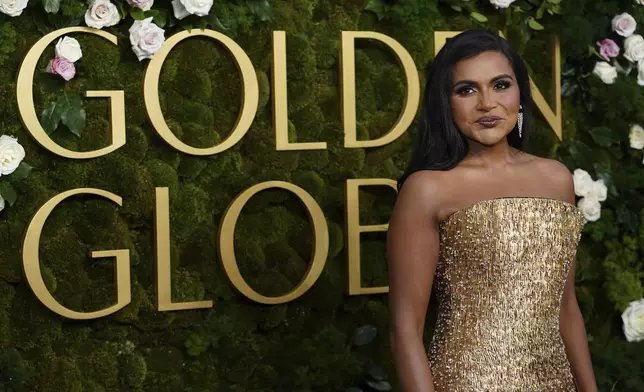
x,y
506,198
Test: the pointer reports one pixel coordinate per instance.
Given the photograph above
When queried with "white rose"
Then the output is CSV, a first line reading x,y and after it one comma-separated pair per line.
x,y
636,137
590,207
180,11
633,318
640,2
11,154
146,38
634,48
583,182
502,3
599,190
183,8
624,24
606,72
101,13
69,48
145,5
640,72
1,203
12,7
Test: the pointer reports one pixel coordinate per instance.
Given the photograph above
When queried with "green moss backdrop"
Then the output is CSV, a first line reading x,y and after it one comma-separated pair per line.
x,y
325,340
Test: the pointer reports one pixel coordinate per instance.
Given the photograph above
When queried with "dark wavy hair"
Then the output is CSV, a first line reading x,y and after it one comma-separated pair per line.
x,y
439,145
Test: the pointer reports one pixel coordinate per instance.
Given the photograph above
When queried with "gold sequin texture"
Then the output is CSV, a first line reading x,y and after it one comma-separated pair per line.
x,y
499,282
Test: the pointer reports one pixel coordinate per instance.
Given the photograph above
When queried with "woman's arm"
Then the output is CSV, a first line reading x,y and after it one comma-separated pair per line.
x,y
573,333
412,253
571,322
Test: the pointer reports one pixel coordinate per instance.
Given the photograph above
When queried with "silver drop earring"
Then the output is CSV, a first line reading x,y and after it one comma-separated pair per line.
x,y
520,119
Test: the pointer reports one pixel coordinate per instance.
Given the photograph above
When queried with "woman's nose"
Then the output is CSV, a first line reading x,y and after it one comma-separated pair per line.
x,y
486,101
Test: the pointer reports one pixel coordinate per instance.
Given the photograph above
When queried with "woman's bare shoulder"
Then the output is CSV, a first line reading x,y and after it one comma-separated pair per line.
x,y
554,176
426,191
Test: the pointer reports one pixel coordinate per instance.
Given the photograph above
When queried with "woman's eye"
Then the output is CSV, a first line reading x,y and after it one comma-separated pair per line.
x,y
502,85
464,90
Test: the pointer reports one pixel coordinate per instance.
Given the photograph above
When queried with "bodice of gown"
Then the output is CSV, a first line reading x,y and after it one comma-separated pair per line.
x,y
499,281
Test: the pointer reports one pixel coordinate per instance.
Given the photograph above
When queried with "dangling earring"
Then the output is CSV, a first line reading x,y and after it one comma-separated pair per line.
x,y
520,119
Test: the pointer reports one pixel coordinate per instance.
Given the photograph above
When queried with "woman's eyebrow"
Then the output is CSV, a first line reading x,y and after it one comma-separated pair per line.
x,y
496,78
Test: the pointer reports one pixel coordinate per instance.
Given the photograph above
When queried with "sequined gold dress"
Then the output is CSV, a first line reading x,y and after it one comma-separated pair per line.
x,y
499,282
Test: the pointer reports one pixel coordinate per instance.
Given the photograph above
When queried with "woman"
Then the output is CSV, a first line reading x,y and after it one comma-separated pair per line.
x,y
492,229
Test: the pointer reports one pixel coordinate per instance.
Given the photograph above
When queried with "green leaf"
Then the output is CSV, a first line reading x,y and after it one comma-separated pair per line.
x,y
479,17
8,193
379,385
582,154
554,1
203,24
540,12
151,13
617,152
457,8
568,70
51,6
508,16
261,8
364,335
161,19
137,13
377,7
534,25
216,24
121,7
75,119
50,117
21,172
72,112
604,173
568,88
603,136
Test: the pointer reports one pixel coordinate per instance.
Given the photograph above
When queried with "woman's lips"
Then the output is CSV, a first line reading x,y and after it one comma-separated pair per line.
x,y
488,122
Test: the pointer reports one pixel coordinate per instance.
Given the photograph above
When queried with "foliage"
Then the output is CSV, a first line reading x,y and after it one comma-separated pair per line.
x,y
307,344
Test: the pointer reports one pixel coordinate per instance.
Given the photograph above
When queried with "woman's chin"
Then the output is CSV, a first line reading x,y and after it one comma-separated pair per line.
x,y
490,136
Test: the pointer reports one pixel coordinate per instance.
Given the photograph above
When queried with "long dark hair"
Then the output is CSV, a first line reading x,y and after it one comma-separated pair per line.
x,y
439,144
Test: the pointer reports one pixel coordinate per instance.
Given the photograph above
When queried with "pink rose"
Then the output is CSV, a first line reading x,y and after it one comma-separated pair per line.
x,y
63,67
145,5
608,48
624,24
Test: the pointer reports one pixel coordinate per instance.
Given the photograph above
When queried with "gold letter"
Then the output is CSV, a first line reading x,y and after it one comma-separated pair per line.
x,y
250,95
353,232
280,100
320,242
347,66
27,109
554,118
31,263
164,284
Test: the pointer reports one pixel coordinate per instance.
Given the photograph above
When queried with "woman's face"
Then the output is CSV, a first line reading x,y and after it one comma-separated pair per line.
x,y
485,97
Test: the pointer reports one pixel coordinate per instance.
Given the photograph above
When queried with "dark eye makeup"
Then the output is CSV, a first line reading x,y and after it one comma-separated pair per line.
x,y
467,88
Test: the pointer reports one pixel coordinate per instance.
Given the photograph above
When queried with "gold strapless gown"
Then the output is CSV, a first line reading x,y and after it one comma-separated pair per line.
x,y
499,282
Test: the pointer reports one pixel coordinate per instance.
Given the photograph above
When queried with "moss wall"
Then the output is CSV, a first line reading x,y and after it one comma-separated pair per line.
x,y
323,341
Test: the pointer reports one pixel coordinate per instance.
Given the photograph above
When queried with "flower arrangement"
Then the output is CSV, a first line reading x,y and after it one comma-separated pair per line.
x,y
68,51
636,137
146,31
12,169
592,194
633,321
624,27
